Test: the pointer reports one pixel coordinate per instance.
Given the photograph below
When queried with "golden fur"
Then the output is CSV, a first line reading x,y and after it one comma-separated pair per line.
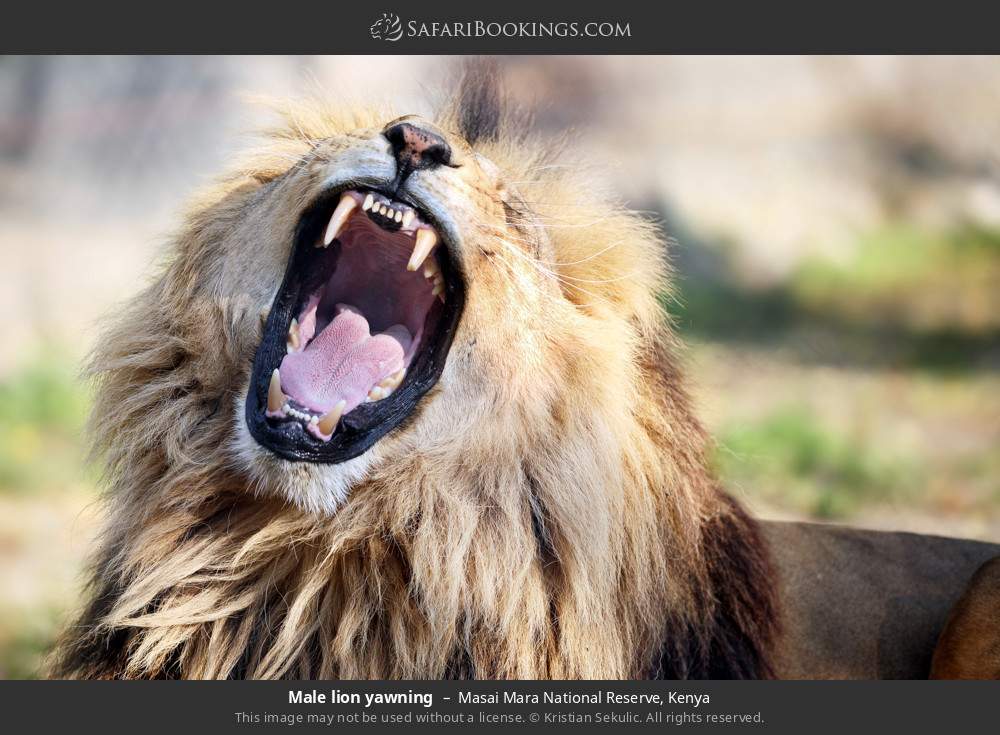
x,y
544,513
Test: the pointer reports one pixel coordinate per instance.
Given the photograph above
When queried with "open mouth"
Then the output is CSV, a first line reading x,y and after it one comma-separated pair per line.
x,y
358,331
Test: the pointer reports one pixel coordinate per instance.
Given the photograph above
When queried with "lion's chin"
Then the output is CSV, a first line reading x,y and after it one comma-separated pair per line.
x,y
315,488
359,329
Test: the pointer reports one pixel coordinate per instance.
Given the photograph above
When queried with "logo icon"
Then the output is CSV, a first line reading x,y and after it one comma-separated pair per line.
x,y
387,28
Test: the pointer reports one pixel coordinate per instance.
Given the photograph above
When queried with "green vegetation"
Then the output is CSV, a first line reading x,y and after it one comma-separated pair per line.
x,y
792,461
907,276
24,641
904,298
42,412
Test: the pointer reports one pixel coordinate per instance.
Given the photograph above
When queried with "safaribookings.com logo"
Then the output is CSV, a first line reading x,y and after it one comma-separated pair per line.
x,y
390,28
387,28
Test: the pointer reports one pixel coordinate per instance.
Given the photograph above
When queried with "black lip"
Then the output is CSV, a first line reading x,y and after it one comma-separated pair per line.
x,y
369,422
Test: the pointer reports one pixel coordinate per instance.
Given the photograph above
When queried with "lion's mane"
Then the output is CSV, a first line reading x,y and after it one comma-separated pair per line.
x,y
584,537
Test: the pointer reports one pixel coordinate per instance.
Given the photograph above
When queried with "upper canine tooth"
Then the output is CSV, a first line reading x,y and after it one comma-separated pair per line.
x,y
328,423
407,217
369,200
344,208
275,398
292,341
426,240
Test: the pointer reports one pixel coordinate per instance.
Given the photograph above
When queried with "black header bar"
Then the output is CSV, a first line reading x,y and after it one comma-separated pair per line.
x,y
513,26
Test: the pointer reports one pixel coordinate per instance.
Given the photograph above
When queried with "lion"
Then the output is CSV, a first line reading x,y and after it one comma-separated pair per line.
x,y
402,402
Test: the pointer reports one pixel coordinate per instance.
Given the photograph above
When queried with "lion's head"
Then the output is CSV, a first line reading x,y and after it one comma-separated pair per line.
x,y
402,403
427,296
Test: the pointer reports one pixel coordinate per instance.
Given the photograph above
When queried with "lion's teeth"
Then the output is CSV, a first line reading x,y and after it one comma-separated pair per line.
x,y
344,208
376,394
392,382
426,240
292,341
408,217
431,269
369,201
328,424
275,398
398,216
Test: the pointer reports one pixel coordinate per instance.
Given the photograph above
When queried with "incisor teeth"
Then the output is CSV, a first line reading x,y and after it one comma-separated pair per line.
x,y
275,398
344,208
369,201
426,240
408,217
328,424
292,341
398,216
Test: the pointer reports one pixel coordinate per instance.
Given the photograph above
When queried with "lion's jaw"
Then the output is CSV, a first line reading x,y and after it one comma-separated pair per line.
x,y
479,325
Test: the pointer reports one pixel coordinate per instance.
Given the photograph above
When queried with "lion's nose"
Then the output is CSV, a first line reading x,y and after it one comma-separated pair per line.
x,y
417,147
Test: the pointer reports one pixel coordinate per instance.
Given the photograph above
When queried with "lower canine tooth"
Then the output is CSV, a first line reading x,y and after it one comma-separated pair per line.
x,y
328,424
275,398
392,382
426,240
344,208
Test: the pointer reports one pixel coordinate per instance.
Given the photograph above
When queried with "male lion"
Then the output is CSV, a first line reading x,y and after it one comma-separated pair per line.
x,y
403,403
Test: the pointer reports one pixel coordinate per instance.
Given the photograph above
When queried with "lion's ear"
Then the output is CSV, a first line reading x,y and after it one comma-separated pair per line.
x,y
479,104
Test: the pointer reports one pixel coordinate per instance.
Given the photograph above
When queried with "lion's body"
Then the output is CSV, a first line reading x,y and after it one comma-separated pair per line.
x,y
546,512
866,604
969,645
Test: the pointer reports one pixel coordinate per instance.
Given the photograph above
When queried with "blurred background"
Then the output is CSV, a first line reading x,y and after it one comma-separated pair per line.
x,y
837,247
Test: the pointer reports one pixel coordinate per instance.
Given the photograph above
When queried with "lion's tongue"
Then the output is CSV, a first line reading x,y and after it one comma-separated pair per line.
x,y
343,363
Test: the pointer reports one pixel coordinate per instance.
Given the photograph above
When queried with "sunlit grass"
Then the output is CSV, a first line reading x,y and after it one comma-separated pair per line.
x,y
919,278
25,639
43,408
793,461
45,485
